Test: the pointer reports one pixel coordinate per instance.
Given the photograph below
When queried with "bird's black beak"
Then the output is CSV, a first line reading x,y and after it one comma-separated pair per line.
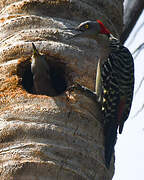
x,y
76,35
69,29
35,51
76,30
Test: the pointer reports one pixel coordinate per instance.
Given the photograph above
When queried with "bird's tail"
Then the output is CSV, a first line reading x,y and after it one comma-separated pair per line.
x,y
121,127
110,134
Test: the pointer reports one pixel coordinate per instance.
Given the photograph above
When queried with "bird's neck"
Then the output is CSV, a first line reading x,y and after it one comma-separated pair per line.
x,y
114,42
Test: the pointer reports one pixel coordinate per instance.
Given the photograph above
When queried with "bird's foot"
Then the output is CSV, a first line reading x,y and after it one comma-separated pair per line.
x,y
84,90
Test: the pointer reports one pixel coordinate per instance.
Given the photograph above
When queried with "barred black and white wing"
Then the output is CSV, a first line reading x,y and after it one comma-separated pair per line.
x,y
117,93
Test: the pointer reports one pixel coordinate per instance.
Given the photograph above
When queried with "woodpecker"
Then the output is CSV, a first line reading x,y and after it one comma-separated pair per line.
x,y
42,79
116,78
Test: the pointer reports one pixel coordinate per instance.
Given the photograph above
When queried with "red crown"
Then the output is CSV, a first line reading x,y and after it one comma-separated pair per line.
x,y
104,30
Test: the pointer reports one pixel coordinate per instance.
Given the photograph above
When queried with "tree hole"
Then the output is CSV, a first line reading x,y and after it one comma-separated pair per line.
x,y
57,74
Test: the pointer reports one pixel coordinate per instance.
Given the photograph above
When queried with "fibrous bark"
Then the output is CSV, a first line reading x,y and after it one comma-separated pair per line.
x,y
45,137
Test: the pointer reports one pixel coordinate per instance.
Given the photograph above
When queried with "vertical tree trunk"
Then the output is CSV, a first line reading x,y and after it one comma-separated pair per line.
x,y
43,137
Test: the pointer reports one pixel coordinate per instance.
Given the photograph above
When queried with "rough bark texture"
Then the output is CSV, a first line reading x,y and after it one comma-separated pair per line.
x,y
42,137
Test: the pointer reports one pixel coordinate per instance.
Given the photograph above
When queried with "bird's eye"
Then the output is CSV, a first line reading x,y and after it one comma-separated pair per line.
x,y
86,26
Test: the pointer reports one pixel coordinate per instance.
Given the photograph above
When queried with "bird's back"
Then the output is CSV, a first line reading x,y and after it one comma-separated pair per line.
x,y
118,85
41,76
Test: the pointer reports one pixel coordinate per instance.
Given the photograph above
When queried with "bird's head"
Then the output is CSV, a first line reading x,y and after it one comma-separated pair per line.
x,y
35,51
37,58
38,62
91,29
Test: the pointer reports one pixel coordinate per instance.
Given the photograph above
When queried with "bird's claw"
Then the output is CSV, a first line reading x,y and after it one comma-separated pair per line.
x,y
84,90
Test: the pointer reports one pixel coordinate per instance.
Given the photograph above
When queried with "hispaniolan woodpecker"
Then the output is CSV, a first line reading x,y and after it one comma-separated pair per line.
x,y
41,74
116,77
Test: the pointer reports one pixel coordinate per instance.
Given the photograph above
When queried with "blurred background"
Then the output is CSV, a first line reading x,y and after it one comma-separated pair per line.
x,y
129,164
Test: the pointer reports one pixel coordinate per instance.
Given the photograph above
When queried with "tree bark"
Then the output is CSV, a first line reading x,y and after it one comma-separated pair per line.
x,y
43,137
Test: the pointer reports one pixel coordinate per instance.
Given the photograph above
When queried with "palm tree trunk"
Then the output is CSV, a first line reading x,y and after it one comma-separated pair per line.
x,y
43,137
